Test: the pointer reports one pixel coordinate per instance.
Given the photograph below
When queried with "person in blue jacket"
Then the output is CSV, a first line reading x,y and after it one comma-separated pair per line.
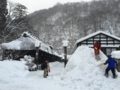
x,y
111,66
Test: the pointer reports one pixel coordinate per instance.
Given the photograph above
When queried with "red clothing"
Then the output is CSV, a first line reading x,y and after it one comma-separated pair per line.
x,y
96,47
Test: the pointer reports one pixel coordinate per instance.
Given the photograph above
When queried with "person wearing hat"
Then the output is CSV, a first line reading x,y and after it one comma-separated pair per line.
x,y
111,66
46,68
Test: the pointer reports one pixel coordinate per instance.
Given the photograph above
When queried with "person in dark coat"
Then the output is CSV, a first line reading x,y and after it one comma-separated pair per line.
x,y
48,67
45,69
111,66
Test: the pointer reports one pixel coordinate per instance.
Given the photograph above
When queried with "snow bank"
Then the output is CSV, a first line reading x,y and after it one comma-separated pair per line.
x,y
13,76
10,70
83,71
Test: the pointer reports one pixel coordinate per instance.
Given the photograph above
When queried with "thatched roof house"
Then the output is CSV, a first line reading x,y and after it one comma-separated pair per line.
x,y
25,45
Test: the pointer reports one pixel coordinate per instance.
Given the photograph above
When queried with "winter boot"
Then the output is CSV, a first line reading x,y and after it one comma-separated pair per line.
x,y
106,75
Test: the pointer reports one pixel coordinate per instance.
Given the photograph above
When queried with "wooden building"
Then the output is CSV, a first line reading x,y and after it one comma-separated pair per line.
x,y
25,45
108,42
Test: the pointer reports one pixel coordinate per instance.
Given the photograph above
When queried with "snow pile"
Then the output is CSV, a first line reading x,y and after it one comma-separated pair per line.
x,y
10,70
12,45
13,76
22,43
83,72
116,54
65,43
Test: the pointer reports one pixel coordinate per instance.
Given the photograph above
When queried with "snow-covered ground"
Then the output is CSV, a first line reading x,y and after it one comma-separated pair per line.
x,y
82,72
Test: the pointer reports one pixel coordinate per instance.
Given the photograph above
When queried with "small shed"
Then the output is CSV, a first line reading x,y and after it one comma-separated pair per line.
x,y
108,42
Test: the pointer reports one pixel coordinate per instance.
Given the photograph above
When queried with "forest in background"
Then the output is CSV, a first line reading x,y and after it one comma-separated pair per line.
x,y
70,21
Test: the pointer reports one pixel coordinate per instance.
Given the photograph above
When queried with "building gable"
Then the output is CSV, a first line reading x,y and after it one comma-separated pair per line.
x,y
105,39
108,42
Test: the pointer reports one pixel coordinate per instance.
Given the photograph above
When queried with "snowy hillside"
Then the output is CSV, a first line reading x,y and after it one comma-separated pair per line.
x,y
82,72
75,20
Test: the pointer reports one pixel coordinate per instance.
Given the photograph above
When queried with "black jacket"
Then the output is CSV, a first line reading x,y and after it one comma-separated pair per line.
x,y
45,65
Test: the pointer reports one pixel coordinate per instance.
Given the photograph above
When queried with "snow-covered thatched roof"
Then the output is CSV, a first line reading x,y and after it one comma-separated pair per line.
x,y
23,43
26,42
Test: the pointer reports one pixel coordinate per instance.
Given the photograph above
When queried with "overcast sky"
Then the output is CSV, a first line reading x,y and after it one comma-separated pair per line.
x,y
34,5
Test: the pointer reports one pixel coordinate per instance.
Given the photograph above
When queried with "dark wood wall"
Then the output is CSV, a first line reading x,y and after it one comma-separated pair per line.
x,y
17,54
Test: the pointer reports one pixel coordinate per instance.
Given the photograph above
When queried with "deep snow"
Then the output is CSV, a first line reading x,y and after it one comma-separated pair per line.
x,y
82,72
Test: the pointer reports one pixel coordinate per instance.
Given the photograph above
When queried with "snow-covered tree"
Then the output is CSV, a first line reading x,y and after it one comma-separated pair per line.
x,y
16,21
30,62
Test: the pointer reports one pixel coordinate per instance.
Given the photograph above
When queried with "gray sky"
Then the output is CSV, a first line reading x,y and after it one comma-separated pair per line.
x,y
34,5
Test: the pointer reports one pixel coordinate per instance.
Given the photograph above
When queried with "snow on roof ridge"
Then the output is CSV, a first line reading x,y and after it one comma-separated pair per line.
x,y
31,36
36,39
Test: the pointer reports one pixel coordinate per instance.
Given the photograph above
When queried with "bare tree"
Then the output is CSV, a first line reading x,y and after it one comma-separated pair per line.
x,y
16,22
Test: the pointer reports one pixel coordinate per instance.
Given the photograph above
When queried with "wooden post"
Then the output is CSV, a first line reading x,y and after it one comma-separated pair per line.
x,y
65,44
65,56
36,58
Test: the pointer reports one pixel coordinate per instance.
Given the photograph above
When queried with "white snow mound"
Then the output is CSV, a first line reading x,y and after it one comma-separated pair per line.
x,y
11,70
83,60
83,71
